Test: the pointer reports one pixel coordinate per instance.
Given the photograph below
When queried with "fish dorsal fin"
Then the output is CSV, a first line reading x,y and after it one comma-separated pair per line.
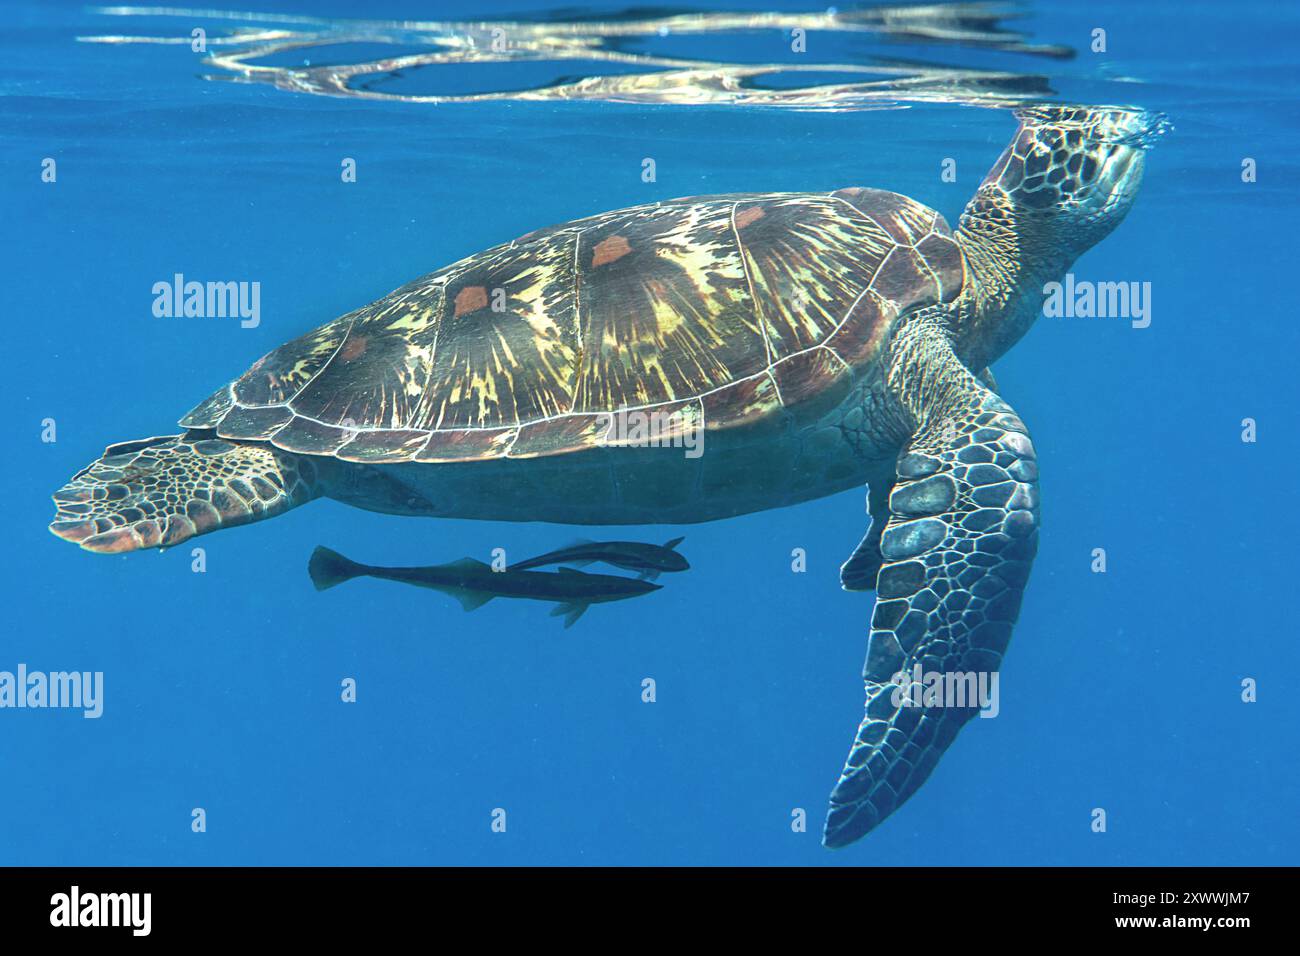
x,y
670,545
564,570
467,564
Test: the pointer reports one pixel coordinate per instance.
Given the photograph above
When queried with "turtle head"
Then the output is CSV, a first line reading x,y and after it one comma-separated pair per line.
x,y
1069,176
1063,184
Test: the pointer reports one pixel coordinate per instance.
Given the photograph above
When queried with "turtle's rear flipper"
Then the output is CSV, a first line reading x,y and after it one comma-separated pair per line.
x,y
859,572
157,492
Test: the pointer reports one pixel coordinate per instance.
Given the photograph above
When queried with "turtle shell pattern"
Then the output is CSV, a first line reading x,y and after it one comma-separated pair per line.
x,y
724,309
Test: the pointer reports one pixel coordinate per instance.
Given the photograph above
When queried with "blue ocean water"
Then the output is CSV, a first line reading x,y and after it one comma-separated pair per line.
x,y
1120,691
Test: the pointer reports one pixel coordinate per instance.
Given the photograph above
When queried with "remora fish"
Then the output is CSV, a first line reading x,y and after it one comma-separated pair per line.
x,y
474,583
649,559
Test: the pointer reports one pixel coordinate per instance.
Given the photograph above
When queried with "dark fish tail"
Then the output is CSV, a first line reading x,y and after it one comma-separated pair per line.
x,y
328,568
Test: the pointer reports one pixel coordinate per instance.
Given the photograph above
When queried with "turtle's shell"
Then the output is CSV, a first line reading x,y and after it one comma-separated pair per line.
x,y
725,307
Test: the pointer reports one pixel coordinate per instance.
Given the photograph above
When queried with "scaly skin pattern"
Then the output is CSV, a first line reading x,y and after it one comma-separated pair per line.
x,y
955,558
159,492
1063,183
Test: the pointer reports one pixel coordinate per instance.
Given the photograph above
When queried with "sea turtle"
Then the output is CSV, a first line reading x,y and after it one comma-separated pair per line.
x,y
818,341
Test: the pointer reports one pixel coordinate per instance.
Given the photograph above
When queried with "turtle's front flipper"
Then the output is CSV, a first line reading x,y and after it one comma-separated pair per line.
x,y
157,492
956,550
